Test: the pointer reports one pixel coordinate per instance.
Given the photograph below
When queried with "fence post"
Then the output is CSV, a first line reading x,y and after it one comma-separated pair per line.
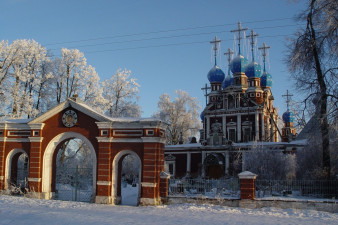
x,y
247,184
164,179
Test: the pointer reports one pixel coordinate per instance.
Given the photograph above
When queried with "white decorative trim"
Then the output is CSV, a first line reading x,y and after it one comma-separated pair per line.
x,y
33,179
104,125
104,139
2,177
3,139
128,133
37,126
15,139
148,184
106,183
150,132
154,139
134,140
35,139
24,133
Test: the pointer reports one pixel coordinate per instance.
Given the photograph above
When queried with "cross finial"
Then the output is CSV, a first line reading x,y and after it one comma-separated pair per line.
x,y
239,30
206,88
288,98
252,37
229,53
264,49
215,42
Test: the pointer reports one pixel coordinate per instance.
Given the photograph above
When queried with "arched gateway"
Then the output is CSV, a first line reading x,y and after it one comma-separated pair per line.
x,y
109,140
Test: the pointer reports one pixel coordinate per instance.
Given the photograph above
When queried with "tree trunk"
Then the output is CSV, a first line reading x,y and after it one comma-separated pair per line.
x,y
324,126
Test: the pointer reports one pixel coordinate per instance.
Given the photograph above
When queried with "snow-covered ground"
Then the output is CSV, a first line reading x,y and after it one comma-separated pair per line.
x,y
20,210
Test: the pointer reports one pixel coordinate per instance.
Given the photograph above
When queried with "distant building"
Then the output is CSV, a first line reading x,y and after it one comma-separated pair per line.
x,y
239,113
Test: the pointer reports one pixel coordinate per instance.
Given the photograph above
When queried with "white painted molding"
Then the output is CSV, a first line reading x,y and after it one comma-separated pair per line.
x,y
33,179
105,183
3,139
154,139
128,133
37,126
148,184
15,139
104,139
35,139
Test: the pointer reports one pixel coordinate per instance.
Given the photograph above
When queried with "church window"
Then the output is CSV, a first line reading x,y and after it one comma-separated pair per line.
x,y
252,94
247,134
258,94
232,135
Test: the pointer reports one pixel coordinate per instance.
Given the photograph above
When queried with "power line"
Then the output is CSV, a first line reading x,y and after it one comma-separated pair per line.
x,y
164,31
167,45
172,36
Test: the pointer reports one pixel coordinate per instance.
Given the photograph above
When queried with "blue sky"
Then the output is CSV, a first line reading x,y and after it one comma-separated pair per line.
x,y
164,43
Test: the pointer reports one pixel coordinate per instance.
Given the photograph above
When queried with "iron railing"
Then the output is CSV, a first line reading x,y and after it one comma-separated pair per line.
x,y
226,188
297,188
74,184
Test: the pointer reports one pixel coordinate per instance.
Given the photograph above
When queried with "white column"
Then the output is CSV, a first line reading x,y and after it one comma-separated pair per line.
x,y
239,125
224,121
243,161
208,127
262,126
203,158
256,126
271,131
188,163
227,162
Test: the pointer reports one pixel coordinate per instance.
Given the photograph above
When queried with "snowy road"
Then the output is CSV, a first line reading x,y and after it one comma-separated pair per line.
x,y
19,210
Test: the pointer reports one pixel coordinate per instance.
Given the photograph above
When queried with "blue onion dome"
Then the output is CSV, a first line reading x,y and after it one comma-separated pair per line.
x,y
216,75
202,116
288,117
266,80
228,81
238,64
253,70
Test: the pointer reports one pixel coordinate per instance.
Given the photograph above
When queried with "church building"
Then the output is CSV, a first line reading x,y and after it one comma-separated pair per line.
x,y
239,114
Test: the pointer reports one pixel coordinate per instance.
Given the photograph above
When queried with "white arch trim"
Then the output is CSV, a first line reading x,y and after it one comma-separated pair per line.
x,y
48,161
115,174
9,165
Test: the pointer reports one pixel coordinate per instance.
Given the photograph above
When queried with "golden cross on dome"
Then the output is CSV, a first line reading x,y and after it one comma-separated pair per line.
x,y
264,52
252,37
239,30
215,42
229,53
288,98
206,88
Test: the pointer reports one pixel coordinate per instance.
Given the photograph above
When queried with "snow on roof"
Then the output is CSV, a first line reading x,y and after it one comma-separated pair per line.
x,y
18,120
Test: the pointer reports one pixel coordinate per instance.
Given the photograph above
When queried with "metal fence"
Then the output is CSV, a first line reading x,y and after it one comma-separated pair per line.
x,y
74,184
297,188
226,188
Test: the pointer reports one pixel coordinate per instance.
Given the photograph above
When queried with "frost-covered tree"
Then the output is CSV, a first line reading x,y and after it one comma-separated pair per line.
x,y
20,76
313,62
120,93
268,164
70,74
182,115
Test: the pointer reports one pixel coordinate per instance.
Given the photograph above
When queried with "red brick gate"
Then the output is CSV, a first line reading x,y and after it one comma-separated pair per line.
x,y
109,139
